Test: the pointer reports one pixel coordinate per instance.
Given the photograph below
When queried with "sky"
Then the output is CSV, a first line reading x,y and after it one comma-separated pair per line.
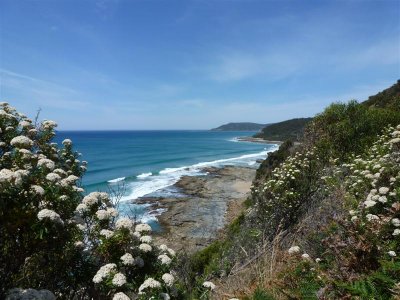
x,y
110,64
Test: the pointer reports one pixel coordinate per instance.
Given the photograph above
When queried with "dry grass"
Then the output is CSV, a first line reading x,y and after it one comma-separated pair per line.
x,y
261,270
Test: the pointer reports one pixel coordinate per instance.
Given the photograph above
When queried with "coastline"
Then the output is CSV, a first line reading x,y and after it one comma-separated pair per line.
x,y
205,206
257,140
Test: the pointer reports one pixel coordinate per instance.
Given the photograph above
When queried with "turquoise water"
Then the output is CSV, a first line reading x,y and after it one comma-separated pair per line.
x,y
148,163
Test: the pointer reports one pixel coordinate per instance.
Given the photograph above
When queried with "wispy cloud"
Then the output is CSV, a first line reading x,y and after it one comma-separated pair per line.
x,y
238,66
197,103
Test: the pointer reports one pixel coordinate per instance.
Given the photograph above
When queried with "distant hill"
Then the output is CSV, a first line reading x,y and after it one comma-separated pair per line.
x,y
241,126
290,129
389,98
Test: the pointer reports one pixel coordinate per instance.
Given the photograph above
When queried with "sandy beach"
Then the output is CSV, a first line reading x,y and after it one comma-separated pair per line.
x,y
205,205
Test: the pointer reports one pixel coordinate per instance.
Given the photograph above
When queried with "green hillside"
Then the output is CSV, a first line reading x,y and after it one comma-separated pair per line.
x,y
290,129
389,98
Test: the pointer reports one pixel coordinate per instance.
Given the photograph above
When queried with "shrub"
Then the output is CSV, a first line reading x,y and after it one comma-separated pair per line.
x,y
55,238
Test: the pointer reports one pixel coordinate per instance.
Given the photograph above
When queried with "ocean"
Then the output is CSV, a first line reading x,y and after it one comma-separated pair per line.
x,y
148,163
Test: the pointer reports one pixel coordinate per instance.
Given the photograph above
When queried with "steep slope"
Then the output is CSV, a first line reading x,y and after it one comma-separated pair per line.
x,y
389,98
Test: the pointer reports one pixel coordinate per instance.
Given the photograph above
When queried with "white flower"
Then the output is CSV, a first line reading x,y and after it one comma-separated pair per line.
x,y
353,218
48,124
81,208
127,259
146,239
21,142
369,203
97,278
45,162
143,227
38,190
395,141
124,223
209,285
371,217
90,199
120,296
165,260
102,214
305,256
171,252
112,212
145,247
396,222
49,214
103,272
168,279
79,244
107,233
317,260
294,250
392,253
119,279
396,232
149,283
67,142
53,177
383,190
382,199
163,247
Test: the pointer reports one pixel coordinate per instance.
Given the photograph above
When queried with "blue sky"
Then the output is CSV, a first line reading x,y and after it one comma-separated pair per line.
x,y
193,64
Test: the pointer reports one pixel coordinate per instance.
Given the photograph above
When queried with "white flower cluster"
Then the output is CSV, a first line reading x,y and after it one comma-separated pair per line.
x,y
294,250
47,163
119,279
209,285
51,215
164,259
127,259
14,178
376,175
103,272
21,142
149,283
124,223
120,296
168,279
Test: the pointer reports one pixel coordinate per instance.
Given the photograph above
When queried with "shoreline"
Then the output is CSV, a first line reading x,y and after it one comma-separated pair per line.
x,y
257,140
205,206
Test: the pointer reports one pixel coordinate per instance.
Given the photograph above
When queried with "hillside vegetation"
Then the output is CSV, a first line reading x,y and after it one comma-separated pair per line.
x,y
323,219
389,98
243,126
290,129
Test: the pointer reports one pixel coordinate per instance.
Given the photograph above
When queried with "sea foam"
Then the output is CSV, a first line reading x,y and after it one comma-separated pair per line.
x,y
169,176
144,175
116,180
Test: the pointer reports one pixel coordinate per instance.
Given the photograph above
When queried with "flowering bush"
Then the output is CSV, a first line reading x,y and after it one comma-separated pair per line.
x,y
281,200
359,254
54,238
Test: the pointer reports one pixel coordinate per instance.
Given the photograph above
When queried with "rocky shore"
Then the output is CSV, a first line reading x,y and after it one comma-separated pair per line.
x,y
205,205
